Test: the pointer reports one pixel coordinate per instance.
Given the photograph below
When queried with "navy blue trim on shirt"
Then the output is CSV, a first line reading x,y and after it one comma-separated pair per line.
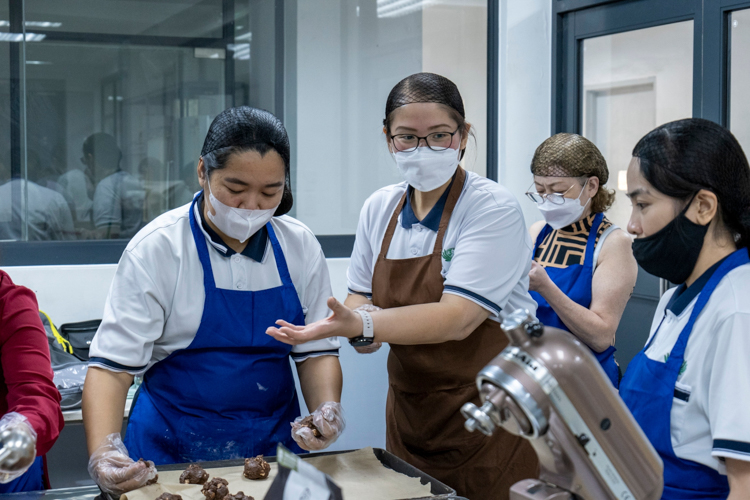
x,y
683,296
681,395
432,219
329,352
468,293
363,294
731,446
116,366
256,245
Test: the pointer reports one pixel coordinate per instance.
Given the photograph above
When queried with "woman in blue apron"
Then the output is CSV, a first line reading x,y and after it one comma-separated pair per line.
x,y
191,300
689,388
583,270
29,399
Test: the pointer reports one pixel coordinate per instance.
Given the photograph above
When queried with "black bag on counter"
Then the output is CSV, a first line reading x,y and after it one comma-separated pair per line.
x,y
69,371
80,335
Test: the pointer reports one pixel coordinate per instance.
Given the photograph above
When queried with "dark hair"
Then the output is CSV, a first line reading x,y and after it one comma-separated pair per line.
x,y
426,87
572,155
241,129
682,157
103,147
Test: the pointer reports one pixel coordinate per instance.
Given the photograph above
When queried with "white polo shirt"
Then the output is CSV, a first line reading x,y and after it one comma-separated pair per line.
x,y
156,300
709,418
486,249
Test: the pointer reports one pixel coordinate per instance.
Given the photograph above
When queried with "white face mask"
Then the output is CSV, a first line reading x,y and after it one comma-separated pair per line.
x,y
559,216
237,223
425,169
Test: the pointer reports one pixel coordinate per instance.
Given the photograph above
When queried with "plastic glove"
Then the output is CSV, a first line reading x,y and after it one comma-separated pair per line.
x,y
328,419
368,349
115,472
18,446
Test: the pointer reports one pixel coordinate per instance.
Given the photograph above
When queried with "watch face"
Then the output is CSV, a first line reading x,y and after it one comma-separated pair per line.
x,y
360,341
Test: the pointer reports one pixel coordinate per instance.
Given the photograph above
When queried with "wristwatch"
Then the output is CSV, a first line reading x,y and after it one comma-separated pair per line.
x,y
368,330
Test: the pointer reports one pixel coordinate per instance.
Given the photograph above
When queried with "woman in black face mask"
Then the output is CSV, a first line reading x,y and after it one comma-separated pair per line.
x,y
689,388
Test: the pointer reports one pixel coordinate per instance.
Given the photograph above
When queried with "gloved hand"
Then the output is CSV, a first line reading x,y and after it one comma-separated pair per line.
x,y
115,472
368,349
328,419
19,446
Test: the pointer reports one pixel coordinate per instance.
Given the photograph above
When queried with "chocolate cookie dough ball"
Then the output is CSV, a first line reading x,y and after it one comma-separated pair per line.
x,y
168,496
256,468
308,422
216,489
239,496
149,463
194,474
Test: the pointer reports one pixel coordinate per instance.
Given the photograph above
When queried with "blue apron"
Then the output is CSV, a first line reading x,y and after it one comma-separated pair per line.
x,y
31,480
575,282
648,390
230,394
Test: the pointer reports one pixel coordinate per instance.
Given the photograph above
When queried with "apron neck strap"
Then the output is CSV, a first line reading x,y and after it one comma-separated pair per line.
x,y
736,259
202,246
450,204
281,265
591,243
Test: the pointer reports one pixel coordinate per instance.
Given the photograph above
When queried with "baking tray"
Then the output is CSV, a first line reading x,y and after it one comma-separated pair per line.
x,y
438,490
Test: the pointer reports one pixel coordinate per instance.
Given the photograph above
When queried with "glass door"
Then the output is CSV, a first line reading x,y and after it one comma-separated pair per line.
x,y
624,68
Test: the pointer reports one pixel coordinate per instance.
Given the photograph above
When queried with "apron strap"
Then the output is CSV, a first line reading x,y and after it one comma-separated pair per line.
x,y
392,225
450,204
547,229
281,265
736,259
202,246
591,243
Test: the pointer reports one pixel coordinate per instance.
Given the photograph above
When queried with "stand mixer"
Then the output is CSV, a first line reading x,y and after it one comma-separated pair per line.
x,y
547,387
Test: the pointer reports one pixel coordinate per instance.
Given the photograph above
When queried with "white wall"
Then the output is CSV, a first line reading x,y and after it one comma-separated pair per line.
x,y
525,93
739,115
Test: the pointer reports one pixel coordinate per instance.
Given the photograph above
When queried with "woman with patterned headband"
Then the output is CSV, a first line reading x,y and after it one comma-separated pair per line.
x,y
583,270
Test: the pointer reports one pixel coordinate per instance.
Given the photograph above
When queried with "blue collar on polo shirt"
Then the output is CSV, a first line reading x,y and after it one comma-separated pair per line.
x,y
683,296
432,219
256,245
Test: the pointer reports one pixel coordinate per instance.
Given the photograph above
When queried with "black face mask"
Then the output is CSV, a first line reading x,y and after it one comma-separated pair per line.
x,y
671,253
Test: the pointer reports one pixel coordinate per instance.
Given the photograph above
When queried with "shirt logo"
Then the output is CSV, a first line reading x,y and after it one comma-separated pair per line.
x,y
448,254
682,368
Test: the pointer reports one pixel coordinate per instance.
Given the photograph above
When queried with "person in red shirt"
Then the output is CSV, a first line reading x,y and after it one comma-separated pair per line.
x,y
29,399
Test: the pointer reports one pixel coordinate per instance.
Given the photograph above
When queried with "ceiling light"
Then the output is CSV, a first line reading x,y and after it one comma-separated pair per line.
x,y
17,37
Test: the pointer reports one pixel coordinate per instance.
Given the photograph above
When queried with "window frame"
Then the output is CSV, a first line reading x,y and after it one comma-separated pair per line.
x,y
85,252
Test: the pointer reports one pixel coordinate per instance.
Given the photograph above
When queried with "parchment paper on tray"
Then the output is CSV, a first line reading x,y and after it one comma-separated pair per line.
x,y
360,475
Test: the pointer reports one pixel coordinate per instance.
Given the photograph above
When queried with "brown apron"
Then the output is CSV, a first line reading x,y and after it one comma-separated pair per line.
x,y
429,383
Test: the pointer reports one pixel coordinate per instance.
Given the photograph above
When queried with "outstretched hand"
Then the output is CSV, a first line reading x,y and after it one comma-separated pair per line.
x,y
342,323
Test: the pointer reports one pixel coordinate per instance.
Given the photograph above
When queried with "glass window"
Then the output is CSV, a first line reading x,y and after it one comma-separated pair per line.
x,y
348,57
174,18
633,82
739,81
104,104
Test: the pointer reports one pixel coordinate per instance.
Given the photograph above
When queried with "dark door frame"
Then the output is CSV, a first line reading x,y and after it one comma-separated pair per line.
x,y
576,20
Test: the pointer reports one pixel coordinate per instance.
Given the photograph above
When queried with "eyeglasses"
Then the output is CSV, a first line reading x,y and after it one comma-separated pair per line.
x,y
554,198
436,141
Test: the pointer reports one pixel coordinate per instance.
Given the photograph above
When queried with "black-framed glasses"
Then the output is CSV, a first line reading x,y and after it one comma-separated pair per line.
x,y
436,141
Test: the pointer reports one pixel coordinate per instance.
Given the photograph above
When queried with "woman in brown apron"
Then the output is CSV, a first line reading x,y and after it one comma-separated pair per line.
x,y
441,255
